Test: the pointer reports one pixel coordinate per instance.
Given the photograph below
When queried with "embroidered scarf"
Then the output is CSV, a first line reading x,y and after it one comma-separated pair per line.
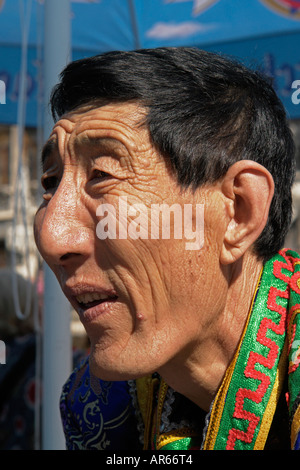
x,y
243,409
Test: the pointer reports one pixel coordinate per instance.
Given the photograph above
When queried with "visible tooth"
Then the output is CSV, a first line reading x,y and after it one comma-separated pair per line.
x,y
98,297
103,296
87,298
79,298
90,297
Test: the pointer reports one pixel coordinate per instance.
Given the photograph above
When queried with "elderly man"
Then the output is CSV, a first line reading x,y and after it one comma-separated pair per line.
x,y
193,345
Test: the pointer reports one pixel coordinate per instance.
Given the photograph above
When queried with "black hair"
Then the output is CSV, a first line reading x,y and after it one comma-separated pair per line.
x,y
205,112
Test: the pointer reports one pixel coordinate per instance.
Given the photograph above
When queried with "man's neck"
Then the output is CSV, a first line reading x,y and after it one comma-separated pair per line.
x,y
199,373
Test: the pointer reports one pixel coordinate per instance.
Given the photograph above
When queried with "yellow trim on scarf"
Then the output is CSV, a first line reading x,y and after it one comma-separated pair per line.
x,y
163,388
172,436
145,388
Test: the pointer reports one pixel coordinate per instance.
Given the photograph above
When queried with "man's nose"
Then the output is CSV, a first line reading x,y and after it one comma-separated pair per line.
x,y
63,229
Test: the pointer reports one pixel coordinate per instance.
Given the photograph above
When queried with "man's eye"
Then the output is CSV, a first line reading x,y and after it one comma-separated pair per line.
x,y
100,175
50,182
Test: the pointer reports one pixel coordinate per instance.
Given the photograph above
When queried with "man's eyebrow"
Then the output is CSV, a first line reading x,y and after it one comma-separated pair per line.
x,y
102,143
49,148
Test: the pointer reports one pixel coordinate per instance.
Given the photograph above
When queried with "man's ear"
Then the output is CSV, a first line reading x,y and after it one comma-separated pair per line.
x,y
248,188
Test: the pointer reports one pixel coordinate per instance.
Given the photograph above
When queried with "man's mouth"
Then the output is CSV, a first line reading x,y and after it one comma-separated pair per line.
x,y
90,301
93,299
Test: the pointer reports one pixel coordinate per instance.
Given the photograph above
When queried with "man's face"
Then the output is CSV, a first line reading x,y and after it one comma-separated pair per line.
x,y
143,301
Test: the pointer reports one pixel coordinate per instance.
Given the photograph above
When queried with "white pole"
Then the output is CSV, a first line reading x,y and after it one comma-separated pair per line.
x,y
56,318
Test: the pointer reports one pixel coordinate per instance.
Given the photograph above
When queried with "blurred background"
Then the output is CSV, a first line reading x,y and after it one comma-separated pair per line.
x,y
41,338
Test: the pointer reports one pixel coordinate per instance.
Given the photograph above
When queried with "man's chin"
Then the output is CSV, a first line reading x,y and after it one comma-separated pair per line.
x,y
108,372
113,373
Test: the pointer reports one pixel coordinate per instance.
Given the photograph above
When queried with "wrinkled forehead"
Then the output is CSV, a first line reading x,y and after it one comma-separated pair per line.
x,y
129,115
122,124
132,112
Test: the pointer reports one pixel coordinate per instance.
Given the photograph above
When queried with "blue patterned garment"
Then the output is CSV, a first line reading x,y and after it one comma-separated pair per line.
x,y
97,415
18,390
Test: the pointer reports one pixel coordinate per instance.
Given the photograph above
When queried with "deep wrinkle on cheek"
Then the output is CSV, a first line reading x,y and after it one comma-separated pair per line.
x,y
134,282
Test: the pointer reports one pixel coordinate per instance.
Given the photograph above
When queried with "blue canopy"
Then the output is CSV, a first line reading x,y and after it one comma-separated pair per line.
x,y
262,33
